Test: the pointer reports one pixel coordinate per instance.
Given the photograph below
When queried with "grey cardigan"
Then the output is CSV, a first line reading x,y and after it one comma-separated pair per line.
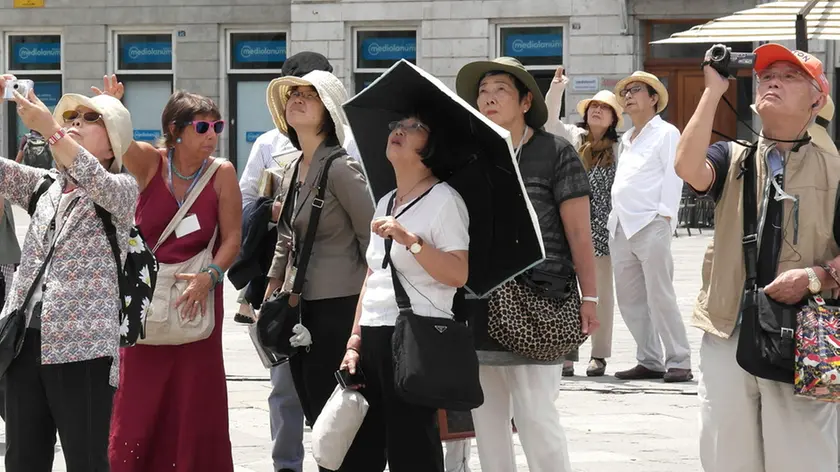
x,y
337,266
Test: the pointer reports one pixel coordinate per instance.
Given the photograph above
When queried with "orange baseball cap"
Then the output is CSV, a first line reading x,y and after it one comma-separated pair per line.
x,y
769,53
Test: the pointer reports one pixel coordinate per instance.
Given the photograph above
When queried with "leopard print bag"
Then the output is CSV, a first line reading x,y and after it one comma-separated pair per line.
x,y
534,326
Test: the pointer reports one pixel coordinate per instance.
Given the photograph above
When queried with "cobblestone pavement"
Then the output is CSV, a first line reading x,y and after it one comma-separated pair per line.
x,y
611,425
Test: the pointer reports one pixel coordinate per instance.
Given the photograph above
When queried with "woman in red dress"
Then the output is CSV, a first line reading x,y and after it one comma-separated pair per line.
x,y
171,409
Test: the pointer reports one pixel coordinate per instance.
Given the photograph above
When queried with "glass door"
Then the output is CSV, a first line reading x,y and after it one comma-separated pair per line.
x,y
250,117
145,97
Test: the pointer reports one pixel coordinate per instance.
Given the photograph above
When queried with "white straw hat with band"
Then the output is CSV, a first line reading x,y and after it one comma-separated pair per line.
x,y
607,97
645,78
115,116
330,90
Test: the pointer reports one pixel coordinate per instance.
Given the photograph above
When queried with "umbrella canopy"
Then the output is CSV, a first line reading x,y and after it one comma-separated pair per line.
x,y
774,21
505,239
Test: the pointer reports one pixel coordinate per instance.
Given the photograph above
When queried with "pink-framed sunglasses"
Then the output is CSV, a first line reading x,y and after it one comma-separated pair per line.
x,y
202,126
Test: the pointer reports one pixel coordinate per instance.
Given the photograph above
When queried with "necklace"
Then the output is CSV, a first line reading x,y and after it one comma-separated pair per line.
x,y
193,178
401,200
180,175
521,142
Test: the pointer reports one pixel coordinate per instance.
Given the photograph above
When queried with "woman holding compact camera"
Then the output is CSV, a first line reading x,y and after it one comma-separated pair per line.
x,y
64,377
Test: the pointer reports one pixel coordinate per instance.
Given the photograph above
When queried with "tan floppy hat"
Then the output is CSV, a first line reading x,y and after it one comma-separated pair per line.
x,y
115,115
646,78
819,130
329,88
469,78
604,96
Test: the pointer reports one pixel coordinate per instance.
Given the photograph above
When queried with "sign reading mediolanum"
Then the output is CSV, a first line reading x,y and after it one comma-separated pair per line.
x,y
29,4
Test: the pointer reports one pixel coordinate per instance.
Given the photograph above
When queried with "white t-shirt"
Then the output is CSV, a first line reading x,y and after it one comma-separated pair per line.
x,y
441,219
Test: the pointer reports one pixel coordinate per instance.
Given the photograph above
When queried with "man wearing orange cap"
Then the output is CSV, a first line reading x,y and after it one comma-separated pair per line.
x,y
750,418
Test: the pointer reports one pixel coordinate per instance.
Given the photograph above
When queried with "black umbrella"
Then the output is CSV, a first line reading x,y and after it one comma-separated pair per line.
x,y
504,234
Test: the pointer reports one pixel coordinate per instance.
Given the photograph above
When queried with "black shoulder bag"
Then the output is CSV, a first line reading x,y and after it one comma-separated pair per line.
x,y
280,313
435,364
135,292
13,327
766,342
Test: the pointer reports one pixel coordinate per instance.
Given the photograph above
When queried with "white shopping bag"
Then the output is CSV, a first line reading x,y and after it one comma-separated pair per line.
x,y
336,427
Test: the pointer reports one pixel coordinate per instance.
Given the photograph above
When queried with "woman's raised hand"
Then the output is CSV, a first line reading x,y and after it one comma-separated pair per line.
x,y
3,79
110,86
35,115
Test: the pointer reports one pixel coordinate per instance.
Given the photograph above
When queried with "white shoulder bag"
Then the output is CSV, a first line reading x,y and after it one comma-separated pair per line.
x,y
164,323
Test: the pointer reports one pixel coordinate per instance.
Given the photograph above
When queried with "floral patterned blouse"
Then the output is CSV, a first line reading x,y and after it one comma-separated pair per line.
x,y
79,317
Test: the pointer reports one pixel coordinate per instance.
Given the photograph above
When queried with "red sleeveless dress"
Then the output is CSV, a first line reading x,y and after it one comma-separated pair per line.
x,y
171,409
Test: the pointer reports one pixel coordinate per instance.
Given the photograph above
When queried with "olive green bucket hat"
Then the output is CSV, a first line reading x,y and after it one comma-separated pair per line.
x,y
469,78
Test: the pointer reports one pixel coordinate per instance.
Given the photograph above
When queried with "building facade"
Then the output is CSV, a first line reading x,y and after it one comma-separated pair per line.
x,y
230,49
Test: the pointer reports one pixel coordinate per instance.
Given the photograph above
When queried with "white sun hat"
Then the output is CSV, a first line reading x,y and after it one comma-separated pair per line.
x,y
330,90
115,116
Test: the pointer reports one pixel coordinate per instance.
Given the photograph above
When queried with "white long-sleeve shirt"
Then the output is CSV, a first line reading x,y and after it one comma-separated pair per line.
x,y
266,148
646,184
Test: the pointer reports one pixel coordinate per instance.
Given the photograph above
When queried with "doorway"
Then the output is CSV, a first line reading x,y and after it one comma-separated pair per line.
x,y
249,115
685,88
678,67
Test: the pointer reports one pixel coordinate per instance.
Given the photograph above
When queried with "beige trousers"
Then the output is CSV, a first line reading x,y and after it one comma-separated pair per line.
x,y
748,424
602,338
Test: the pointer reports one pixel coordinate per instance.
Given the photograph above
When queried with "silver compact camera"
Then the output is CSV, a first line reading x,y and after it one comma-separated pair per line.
x,y
20,86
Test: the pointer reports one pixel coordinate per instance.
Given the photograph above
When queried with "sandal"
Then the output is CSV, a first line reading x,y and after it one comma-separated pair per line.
x,y
597,367
569,369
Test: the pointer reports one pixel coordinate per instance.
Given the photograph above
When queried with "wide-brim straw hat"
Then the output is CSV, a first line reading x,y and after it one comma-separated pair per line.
x,y
604,96
330,90
819,130
646,78
115,116
469,79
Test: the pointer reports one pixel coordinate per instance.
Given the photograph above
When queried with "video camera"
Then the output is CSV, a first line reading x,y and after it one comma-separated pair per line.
x,y
726,62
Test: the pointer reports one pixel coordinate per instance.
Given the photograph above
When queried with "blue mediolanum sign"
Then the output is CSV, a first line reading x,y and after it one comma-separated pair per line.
x,y
534,45
148,135
260,51
147,53
38,53
48,92
251,136
389,49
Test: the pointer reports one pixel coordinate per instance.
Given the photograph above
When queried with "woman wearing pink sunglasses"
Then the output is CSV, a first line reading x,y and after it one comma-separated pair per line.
x,y
171,411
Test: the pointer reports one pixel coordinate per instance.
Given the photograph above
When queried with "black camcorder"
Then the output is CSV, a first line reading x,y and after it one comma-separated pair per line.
x,y
726,62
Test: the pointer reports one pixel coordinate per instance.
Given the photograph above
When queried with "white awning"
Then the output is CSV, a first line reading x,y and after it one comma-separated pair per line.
x,y
767,22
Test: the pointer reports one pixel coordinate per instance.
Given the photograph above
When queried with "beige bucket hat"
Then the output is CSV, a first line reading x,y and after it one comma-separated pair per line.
x,y
604,96
470,76
115,115
646,78
329,88
819,130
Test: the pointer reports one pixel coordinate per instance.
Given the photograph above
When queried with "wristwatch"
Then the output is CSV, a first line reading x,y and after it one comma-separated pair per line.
x,y
417,246
590,299
814,284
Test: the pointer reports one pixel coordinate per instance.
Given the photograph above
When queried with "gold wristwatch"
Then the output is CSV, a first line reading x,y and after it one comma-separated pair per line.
x,y
814,284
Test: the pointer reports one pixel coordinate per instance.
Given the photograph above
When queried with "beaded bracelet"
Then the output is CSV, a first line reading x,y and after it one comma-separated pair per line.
x,y
213,278
219,272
